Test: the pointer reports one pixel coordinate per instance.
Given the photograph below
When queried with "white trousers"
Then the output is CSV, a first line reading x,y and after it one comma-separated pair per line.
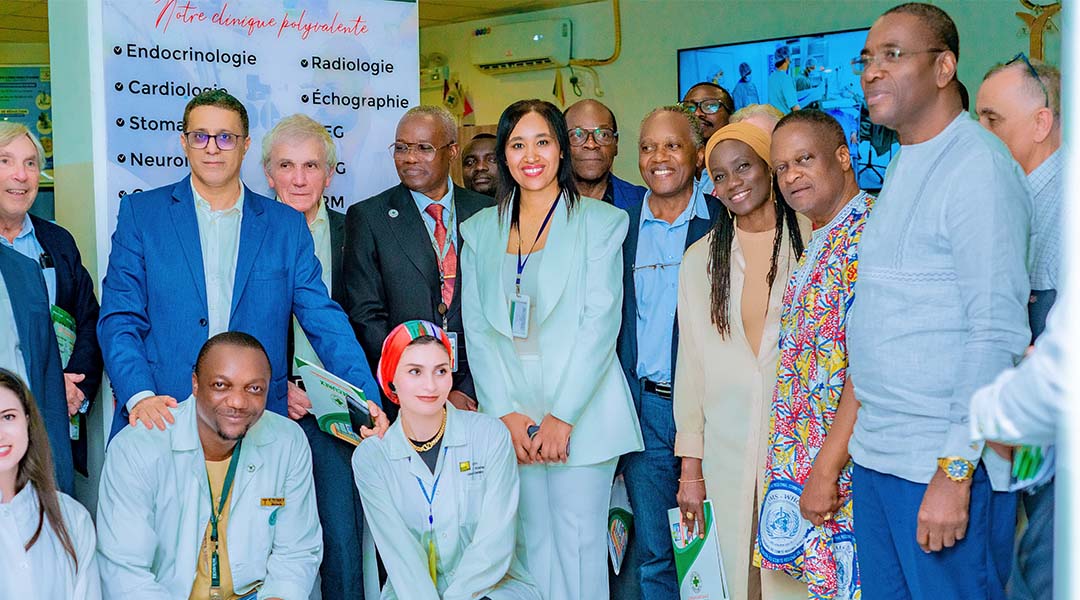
x,y
562,528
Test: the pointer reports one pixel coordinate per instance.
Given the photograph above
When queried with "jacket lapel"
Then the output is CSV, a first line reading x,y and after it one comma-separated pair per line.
x,y
490,253
252,231
559,251
182,213
337,250
408,226
465,206
629,289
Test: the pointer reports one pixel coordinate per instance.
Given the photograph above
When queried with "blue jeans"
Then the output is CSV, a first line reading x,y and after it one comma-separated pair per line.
x,y
1033,571
652,481
894,567
340,514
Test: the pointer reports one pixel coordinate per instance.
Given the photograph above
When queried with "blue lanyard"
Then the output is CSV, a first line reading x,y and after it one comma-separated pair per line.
x,y
521,263
430,499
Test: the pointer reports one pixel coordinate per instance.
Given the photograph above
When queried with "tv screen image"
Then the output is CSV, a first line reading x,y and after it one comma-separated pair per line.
x,y
820,73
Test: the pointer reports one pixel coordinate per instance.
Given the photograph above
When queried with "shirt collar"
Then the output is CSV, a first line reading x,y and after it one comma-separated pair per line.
x,y
202,204
609,191
423,201
27,231
320,215
696,208
1044,173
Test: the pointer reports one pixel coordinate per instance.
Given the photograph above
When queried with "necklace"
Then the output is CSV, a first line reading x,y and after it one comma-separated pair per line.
x,y
428,445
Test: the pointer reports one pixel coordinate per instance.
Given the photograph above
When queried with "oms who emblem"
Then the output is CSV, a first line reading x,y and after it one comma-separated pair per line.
x,y
783,529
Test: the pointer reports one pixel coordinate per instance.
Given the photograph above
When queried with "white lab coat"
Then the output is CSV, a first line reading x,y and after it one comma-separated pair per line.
x,y
154,505
46,572
474,510
1029,403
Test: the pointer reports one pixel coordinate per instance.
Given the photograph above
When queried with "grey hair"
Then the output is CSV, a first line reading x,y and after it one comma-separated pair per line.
x,y
438,113
1049,75
764,110
696,136
294,128
11,131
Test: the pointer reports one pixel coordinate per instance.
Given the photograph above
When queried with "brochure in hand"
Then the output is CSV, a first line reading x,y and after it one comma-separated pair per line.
x,y
620,522
698,563
339,406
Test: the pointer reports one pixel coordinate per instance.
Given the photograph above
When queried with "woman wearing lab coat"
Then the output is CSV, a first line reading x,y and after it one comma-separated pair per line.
x,y
542,279
440,488
46,538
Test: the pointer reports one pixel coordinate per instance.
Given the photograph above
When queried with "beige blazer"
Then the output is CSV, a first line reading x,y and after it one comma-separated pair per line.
x,y
578,313
723,394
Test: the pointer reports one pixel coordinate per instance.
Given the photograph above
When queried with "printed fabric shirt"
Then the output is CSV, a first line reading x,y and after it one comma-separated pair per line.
x,y
810,377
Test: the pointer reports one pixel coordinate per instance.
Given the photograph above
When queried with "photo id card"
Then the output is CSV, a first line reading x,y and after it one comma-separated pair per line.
x,y
519,315
452,335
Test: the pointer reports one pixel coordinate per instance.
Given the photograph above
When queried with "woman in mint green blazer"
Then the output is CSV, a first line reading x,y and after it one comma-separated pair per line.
x,y
542,297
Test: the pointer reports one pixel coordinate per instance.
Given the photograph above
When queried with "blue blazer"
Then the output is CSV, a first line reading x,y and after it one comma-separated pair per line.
x,y
628,342
154,316
625,194
30,304
576,321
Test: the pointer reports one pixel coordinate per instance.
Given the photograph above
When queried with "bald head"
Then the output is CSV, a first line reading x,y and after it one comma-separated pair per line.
x,y
591,161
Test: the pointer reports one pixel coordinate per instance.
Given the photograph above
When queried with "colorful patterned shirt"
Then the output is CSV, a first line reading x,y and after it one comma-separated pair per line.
x,y
811,374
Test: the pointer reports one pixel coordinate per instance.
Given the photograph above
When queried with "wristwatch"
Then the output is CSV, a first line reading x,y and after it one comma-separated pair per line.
x,y
956,468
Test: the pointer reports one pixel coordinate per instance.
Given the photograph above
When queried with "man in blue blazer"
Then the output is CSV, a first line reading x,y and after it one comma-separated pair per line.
x,y
206,255
673,215
26,332
594,144
69,285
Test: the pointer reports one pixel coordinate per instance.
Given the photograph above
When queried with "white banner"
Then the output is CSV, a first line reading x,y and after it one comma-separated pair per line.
x,y
352,65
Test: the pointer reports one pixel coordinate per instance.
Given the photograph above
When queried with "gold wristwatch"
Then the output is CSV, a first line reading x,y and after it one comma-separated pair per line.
x,y
956,468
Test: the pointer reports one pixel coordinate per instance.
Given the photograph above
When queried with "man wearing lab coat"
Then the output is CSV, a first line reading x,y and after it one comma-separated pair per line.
x,y
160,502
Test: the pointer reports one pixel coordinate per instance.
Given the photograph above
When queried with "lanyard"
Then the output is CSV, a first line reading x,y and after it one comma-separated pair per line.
x,y
450,236
432,554
521,263
215,516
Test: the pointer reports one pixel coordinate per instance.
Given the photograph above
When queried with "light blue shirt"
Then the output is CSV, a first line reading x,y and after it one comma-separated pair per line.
x,y
219,238
656,287
1048,219
941,300
449,219
26,243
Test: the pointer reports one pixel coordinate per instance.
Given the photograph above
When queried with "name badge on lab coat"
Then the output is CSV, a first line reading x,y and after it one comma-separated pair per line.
x,y
519,315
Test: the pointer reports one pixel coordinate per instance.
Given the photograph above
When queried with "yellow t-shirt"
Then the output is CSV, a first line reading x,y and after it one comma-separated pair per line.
x,y
200,590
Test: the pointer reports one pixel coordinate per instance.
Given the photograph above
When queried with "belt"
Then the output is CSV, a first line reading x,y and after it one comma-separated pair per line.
x,y
660,388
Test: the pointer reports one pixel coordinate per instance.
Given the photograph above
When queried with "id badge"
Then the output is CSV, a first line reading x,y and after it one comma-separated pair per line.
x,y
519,315
453,350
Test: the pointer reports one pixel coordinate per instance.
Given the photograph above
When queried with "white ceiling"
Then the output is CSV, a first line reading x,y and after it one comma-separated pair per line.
x,y
441,12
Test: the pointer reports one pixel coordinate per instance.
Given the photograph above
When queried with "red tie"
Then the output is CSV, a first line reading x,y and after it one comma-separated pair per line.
x,y
448,268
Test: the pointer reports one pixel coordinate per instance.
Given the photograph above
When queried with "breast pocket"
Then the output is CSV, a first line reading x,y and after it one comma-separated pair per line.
x,y
268,274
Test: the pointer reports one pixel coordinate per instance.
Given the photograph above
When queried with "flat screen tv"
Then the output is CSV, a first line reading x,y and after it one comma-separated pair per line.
x,y
823,78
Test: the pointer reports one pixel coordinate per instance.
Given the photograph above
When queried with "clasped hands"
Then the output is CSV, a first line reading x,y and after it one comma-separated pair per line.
x,y
550,444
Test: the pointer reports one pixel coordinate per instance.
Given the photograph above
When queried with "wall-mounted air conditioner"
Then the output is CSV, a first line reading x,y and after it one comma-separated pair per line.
x,y
528,46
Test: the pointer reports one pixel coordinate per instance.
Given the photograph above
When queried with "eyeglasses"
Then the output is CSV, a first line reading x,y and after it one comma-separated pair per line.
x,y
603,136
425,150
886,59
200,139
655,266
1034,74
709,107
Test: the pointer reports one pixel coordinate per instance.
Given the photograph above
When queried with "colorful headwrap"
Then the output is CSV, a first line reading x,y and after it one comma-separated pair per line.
x,y
751,135
400,337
